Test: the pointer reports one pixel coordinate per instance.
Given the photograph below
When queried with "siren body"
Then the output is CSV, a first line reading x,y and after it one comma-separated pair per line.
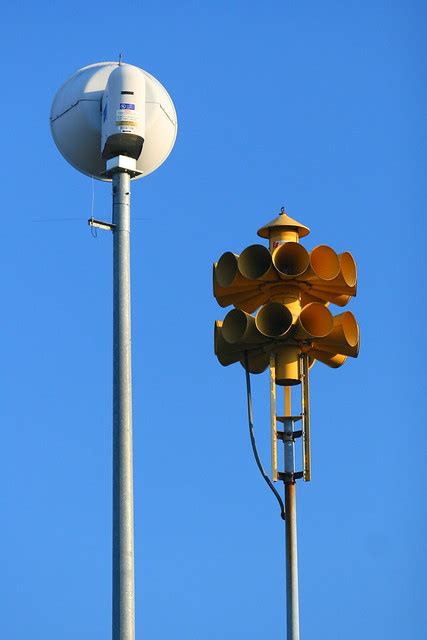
x,y
123,113
290,289
137,119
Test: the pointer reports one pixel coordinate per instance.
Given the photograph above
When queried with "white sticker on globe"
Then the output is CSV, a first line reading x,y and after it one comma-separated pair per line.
x,y
126,120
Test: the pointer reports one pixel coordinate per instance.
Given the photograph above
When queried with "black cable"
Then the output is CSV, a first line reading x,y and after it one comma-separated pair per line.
x,y
253,442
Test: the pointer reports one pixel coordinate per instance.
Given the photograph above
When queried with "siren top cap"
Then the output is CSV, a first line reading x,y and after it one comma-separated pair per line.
x,y
285,222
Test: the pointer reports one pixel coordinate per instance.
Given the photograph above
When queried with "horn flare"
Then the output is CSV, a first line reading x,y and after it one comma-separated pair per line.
x,y
291,260
239,326
273,320
257,362
227,272
315,321
324,263
254,263
333,360
344,337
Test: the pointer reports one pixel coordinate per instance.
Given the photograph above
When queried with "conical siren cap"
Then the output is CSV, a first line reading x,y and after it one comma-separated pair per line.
x,y
283,221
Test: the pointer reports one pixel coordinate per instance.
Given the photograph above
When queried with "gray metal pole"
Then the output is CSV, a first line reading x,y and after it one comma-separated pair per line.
x,y
123,544
292,600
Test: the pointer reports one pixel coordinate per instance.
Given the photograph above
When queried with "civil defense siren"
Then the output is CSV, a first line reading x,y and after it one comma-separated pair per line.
x,y
290,290
113,110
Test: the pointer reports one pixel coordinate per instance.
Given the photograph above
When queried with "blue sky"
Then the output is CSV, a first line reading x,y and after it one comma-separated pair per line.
x,y
316,106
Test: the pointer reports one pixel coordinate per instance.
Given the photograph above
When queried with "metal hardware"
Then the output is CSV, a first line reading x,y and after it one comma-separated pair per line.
x,y
305,410
281,435
273,418
100,224
290,477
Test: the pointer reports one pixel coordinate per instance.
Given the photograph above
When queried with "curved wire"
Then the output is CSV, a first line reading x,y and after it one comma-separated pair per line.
x,y
253,442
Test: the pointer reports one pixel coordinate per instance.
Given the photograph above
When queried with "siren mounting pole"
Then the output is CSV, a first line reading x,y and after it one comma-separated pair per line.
x,y
291,552
123,533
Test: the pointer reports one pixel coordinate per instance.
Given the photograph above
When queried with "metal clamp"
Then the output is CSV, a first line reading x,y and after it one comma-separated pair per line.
x,y
100,224
290,477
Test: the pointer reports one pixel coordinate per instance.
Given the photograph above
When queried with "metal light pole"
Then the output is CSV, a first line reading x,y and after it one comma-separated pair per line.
x,y
123,532
116,122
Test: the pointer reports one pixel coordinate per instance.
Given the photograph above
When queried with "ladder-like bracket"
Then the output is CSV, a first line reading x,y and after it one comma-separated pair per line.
x,y
289,434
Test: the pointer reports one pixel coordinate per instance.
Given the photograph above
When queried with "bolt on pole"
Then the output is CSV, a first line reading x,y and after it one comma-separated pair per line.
x,y
123,531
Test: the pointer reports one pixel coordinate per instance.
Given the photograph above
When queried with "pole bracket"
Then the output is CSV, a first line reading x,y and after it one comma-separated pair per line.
x,y
100,224
288,477
288,435
283,419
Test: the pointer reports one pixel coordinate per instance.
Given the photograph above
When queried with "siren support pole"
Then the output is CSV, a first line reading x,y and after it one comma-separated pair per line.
x,y
292,600
123,537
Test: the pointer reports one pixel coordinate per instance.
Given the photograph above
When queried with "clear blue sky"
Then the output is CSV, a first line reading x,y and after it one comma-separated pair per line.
x,y
319,106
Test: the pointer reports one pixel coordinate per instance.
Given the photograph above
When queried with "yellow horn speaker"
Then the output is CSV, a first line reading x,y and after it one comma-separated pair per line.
x,y
332,360
291,260
228,353
227,273
315,321
255,263
345,282
224,300
347,276
252,302
348,272
306,298
225,352
257,361
273,320
327,296
344,337
324,265
228,295
239,327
